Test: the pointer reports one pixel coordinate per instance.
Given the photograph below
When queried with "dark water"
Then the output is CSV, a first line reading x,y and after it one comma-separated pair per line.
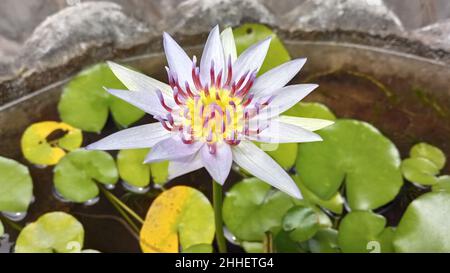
x,y
395,93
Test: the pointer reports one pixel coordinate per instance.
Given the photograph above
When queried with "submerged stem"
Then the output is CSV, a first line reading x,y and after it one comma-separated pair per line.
x,y
114,200
12,224
217,202
268,242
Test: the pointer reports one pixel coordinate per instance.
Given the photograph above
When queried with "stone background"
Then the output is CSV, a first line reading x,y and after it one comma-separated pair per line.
x,y
18,18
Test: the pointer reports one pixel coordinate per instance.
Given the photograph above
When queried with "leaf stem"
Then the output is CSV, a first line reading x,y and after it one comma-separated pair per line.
x,y
114,200
268,242
12,224
217,202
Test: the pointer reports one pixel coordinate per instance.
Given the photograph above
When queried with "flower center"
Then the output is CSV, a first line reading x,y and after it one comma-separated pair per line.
x,y
213,112
214,116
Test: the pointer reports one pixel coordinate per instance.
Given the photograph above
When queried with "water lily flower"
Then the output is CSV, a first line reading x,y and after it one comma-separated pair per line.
x,y
210,114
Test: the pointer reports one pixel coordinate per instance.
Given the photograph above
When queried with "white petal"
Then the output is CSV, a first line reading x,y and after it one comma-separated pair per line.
x,y
178,60
276,78
279,132
185,165
251,59
213,52
145,100
286,98
137,81
311,124
144,136
218,164
171,149
229,45
255,161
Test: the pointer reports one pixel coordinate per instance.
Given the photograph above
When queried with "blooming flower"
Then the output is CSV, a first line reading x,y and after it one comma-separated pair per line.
x,y
209,115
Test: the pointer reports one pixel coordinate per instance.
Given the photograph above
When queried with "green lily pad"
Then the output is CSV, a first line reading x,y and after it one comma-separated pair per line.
x,y
249,34
425,225
285,154
301,222
179,217
325,241
160,172
356,153
420,170
443,184
310,110
45,143
77,174
200,248
283,243
16,186
132,169
334,204
2,229
85,104
364,232
251,207
53,232
429,152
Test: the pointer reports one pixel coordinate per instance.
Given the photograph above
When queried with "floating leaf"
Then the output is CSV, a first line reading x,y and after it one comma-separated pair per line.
x,y
132,169
430,152
181,216
85,104
425,225
301,222
16,186
2,229
360,230
77,174
357,153
284,154
201,248
324,241
252,207
310,110
420,170
45,143
160,172
249,34
443,184
334,204
53,232
284,244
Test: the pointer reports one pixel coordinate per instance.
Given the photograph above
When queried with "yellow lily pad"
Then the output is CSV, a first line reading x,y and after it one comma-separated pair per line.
x,y
181,217
45,143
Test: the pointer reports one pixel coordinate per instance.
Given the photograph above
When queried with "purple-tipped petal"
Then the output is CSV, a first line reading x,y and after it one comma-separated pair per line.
x,y
310,124
137,81
279,132
251,59
144,136
276,78
285,98
178,60
255,161
145,100
218,164
212,54
171,149
185,165
229,45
